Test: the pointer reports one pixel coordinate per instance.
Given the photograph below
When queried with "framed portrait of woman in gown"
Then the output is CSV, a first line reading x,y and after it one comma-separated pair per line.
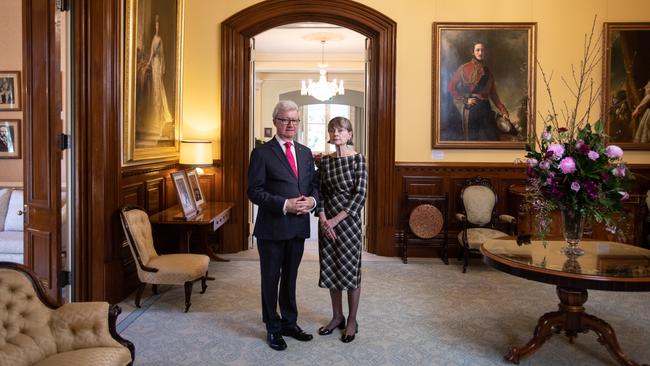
x,y
626,84
153,37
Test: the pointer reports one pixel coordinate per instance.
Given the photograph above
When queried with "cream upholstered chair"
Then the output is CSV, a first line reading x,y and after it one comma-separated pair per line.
x,y
169,269
34,331
479,217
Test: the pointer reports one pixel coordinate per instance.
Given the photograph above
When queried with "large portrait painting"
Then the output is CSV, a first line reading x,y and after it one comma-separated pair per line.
x,y
626,84
483,85
152,80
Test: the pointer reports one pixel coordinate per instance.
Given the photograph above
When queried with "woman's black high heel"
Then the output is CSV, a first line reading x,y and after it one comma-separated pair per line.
x,y
326,331
349,338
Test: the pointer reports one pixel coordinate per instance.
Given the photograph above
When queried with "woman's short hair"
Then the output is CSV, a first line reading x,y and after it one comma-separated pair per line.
x,y
340,122
284,106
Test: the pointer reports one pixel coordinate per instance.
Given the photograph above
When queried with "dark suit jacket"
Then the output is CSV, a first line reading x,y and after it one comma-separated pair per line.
x,y
271,181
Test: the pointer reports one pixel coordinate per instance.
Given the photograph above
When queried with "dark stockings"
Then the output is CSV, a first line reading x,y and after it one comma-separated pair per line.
x,y
353,305
337,308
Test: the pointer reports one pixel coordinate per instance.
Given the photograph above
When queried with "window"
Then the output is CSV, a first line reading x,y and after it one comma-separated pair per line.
x,y
314,133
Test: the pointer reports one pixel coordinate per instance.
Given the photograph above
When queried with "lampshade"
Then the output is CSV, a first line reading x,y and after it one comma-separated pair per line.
x,y
196,152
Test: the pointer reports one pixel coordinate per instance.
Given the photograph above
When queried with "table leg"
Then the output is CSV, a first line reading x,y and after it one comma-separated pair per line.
x,y
208,250
572,319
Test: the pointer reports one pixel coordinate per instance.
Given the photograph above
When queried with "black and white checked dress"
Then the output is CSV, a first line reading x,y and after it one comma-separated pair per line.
x,y
343,183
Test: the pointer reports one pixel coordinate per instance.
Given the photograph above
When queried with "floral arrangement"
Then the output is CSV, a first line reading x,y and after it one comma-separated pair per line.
x,y
570,166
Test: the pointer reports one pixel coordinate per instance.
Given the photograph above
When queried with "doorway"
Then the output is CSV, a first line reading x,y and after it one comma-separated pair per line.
x,y
287,59
237,32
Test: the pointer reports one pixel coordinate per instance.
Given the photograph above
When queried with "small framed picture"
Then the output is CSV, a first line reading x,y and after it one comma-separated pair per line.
x,y
268,132
10,139
195,187
185,200
10,96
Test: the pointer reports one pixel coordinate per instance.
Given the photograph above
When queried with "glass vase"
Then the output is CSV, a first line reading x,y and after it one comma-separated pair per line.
x,y
573,222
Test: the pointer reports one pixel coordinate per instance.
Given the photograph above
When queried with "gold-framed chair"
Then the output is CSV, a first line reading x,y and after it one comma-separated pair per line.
x,y
424,217
169,269
478,218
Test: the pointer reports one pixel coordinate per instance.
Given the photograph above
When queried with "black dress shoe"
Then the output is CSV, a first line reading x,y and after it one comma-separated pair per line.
x,y
349,338
276,341
297,333
327,331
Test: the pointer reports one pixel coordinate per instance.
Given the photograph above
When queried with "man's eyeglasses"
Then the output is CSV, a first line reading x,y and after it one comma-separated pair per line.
x,y
285,122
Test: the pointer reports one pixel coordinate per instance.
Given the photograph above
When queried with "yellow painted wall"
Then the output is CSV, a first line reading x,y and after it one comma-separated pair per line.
x,y
11,59
561,25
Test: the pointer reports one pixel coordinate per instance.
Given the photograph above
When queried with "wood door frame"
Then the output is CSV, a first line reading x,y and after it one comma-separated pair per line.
x,y
236,32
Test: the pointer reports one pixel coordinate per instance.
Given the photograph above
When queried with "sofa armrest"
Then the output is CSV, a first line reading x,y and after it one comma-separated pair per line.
x,y
82,325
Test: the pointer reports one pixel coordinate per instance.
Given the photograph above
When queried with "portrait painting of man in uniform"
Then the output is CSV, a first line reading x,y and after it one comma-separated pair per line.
x,y
626,84
483,85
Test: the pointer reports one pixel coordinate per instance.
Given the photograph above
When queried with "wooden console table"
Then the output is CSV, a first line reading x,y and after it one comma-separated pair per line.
x,y
212,216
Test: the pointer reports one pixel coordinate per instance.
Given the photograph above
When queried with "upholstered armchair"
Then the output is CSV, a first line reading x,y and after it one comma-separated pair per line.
x,y
34,331
479,218
168,269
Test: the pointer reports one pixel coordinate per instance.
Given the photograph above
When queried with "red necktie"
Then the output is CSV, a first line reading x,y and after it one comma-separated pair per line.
x,y
292,161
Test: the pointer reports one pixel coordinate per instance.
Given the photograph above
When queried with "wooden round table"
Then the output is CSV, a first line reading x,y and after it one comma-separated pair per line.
x,y
605,266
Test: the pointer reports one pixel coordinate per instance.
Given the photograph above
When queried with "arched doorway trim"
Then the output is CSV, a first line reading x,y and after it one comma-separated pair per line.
x,y
236,32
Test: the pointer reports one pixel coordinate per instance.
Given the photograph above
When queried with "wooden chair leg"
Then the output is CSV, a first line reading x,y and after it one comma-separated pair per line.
x,y
188,295
154,289
138,294
204,285
465,259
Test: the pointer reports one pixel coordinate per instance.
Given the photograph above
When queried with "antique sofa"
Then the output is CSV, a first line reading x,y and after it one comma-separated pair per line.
x,y
33,331
11,225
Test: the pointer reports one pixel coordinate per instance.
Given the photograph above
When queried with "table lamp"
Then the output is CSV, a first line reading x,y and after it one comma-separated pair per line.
x,y
196,153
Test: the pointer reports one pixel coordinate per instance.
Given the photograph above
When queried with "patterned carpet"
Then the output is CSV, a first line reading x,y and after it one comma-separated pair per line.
x,y
423,313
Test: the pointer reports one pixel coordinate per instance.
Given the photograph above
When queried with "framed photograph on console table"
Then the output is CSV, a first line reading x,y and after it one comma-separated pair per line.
x,y
626,84
153,46
483,92
195,187
185,200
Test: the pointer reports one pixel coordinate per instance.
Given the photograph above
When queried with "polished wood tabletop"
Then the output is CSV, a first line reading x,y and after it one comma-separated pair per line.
x,y
605,265
210,212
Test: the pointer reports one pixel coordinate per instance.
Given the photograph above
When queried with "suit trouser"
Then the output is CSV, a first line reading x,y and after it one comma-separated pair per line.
x,y
279,261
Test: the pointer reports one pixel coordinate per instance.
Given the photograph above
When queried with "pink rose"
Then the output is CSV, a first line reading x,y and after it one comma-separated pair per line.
x,y
593,155
557,149
613,152
532,162
575,186
568,165
619,171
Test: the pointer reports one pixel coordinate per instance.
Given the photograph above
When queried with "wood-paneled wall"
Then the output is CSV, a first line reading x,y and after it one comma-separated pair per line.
x,y
438,178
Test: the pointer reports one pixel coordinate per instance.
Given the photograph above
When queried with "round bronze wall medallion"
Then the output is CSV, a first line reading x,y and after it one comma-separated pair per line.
x,y
425,221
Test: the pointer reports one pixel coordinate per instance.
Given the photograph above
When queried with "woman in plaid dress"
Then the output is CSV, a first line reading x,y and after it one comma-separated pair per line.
x,y
343,182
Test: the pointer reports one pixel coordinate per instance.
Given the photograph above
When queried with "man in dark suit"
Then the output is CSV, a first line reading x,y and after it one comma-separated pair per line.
x,y
282,182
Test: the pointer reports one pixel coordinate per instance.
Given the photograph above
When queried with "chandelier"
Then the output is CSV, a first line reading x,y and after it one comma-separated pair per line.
x,y
322,89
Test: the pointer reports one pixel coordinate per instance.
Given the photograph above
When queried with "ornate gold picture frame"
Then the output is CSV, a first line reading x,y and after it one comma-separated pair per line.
x,y
153,46
626,84
483,92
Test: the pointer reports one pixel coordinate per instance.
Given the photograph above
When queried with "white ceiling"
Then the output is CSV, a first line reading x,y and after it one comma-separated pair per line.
x,y
302,38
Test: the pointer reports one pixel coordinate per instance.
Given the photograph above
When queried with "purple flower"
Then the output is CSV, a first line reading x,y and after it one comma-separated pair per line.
x,y
546,136
624,195
575,186
545,164
568,165
619,171
582,147
532,162
613,152
593,155
557,150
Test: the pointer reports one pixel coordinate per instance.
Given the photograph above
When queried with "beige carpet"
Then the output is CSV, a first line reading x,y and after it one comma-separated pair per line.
x,y
422,313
